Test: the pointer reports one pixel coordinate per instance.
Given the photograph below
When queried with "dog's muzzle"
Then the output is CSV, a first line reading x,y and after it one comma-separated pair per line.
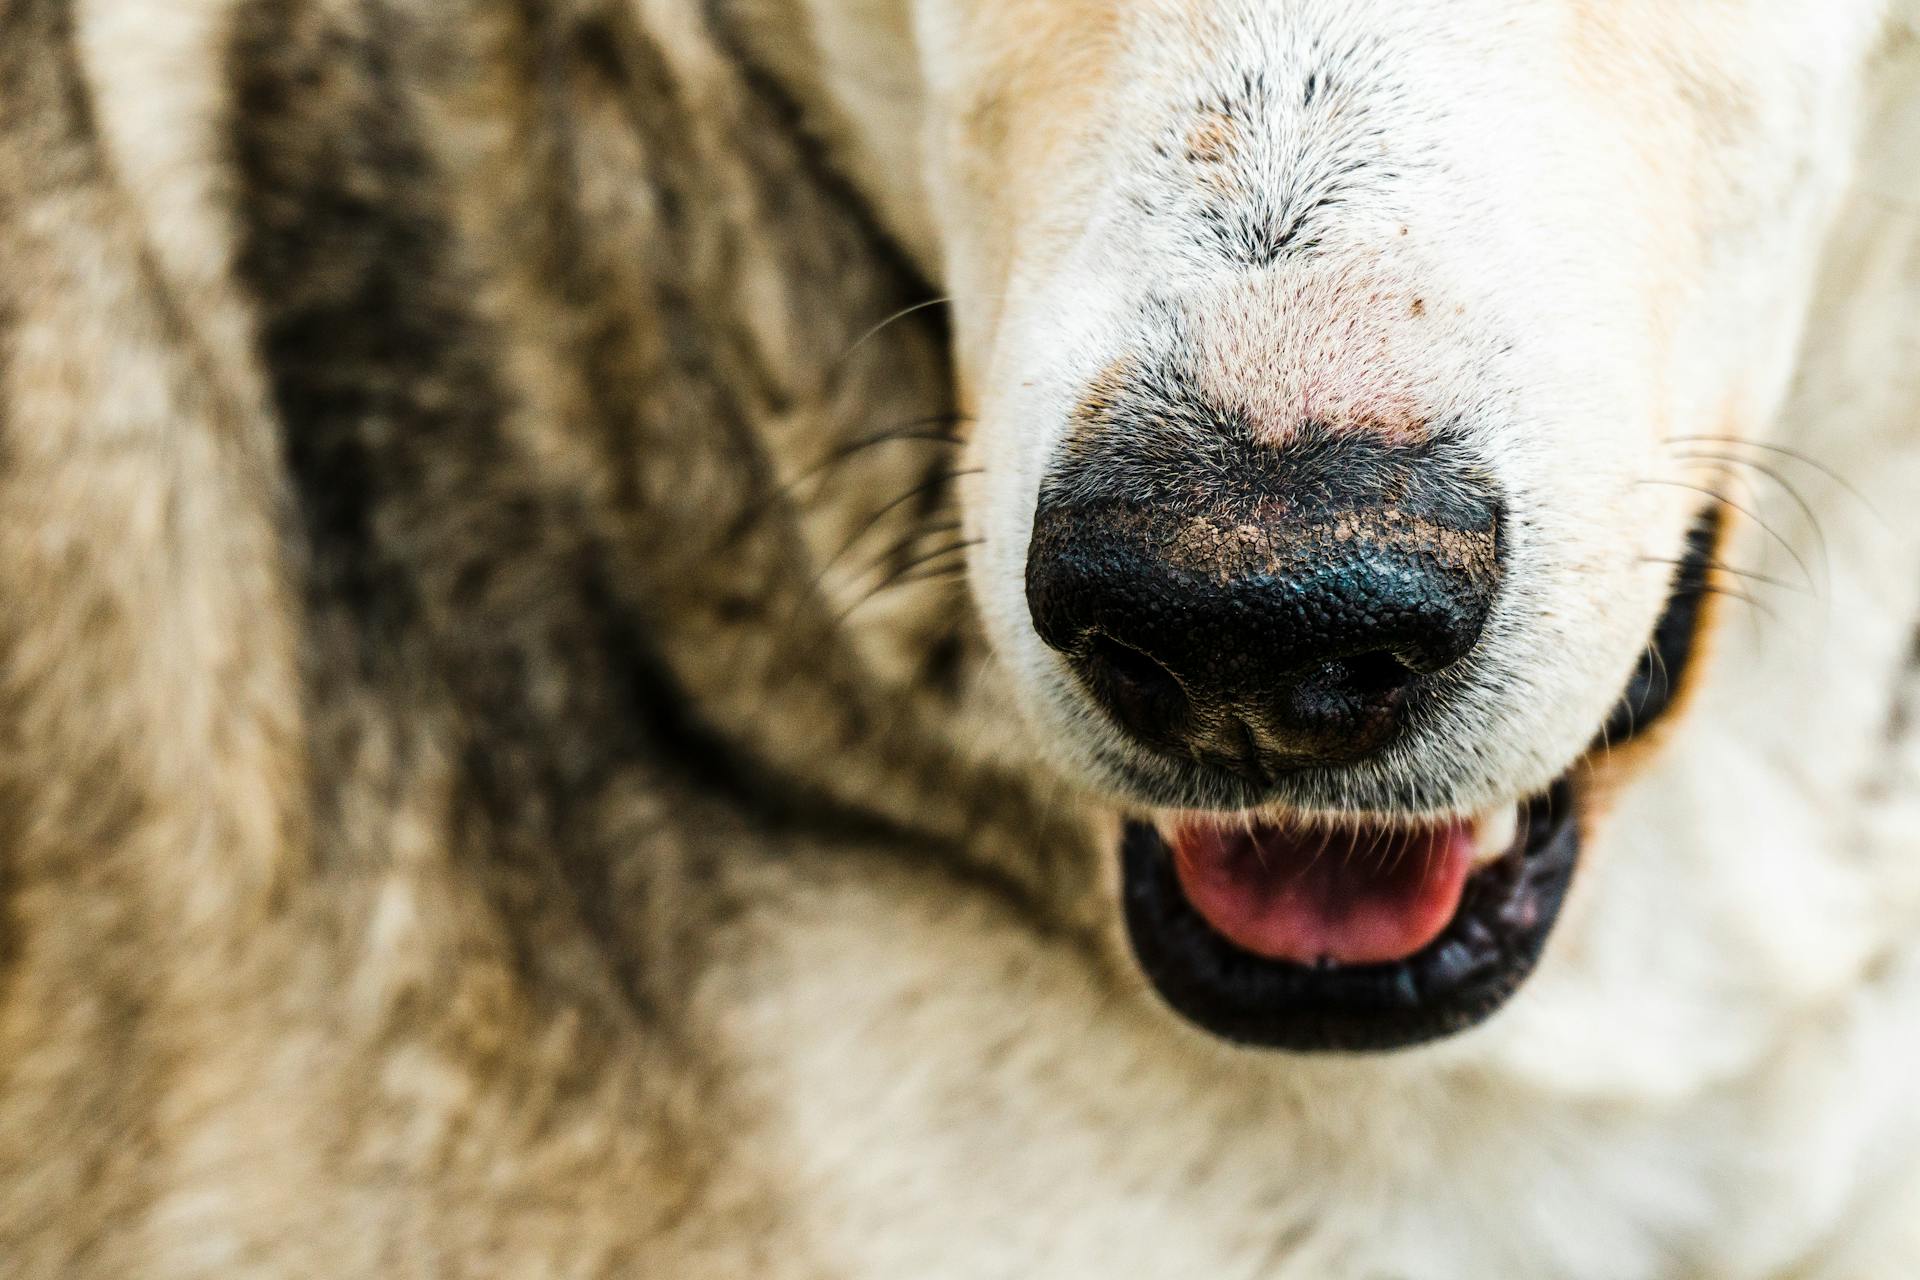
x,y
1268,610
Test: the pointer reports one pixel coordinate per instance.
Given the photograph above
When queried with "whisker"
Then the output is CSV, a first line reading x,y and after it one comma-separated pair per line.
x,y
897,577
1660,661
936,553
1381,851
929,485
787,495
1253,839
1718,567
906,543
1731,505
895,318
1804,459
951,569
914,431
1786,487
1734,593
1633,712
1326,845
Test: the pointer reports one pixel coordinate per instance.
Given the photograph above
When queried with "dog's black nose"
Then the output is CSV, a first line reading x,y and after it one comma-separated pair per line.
x,y
1273,616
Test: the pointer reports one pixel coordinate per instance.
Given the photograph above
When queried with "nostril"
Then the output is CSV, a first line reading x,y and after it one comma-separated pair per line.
x,y
1142,693
1374,676
1128,663
1342,708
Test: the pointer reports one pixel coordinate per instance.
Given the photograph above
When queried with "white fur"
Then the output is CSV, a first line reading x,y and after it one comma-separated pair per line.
x,y
1651,216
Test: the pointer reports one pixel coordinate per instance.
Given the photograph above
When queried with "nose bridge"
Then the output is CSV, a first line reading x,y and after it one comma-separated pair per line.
x,y
1373,338
1166,441
1290,134
1346,343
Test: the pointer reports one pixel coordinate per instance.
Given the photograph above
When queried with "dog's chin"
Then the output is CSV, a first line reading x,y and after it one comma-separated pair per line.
x,y
1384,932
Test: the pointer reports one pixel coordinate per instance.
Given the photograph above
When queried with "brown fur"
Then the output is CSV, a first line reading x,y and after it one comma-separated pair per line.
x,y
398,685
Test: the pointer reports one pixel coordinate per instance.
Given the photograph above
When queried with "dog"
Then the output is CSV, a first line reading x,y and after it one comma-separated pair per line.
x,y
852,638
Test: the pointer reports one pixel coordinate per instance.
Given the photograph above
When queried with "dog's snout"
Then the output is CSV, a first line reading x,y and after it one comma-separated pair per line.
x,y
1276,621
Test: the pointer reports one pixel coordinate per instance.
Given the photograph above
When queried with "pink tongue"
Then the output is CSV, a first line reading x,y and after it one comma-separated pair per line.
x,y
1359,895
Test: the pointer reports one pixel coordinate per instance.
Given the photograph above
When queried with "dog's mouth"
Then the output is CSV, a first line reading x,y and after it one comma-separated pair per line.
x,y
1347,938
1372,935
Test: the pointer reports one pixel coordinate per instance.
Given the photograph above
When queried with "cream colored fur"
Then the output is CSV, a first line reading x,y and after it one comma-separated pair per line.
x,y
1705,219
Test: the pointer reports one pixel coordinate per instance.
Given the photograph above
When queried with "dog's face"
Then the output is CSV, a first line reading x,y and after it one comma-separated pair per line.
x,y
1334,364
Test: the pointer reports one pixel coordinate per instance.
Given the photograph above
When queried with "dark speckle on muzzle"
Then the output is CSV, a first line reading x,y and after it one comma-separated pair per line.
x,y
1259,608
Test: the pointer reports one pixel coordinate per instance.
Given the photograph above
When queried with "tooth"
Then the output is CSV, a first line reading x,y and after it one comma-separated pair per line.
x,y
1494,833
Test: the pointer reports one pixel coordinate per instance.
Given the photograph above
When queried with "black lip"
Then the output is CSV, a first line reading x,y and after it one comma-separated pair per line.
x,y
1657,680
1493,943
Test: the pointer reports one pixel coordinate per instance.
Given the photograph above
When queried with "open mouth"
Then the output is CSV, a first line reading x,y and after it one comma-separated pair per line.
x,y
1372,936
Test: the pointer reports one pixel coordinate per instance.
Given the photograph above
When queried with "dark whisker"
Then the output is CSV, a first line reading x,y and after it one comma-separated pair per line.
x,y
900,572
1786,487
916,430
928,557
935,573
1718,567
1731,505
1805,460
905,543
929,485
1734,593
895,318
